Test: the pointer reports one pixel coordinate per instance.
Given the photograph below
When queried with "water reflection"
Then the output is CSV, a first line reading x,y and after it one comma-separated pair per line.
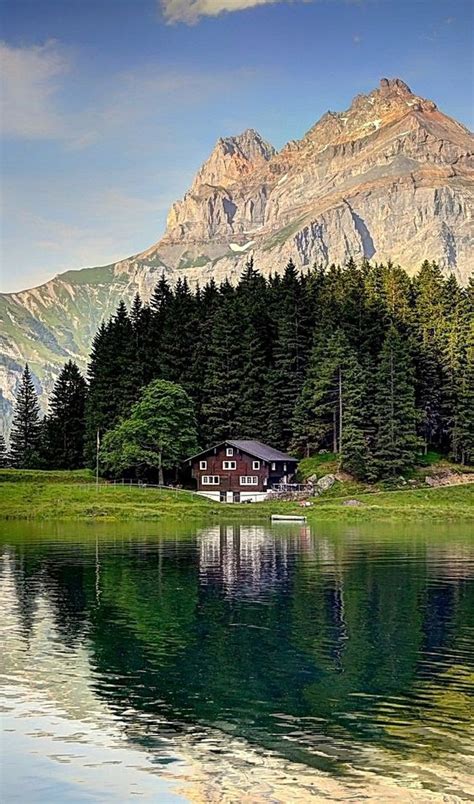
x,y
280,659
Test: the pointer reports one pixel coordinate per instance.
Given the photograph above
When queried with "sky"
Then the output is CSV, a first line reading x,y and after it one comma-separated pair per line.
x,y
109,107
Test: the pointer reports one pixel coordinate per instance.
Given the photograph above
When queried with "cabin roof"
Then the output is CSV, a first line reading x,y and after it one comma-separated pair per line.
x,y
255,448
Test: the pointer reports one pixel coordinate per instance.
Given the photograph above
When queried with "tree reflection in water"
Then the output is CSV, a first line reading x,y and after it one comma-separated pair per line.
x,y
320,647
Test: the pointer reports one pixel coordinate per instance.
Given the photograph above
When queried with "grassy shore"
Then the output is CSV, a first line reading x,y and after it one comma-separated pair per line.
x,y
72,495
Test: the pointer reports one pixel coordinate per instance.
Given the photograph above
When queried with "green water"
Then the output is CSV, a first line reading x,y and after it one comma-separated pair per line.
x,y
140,659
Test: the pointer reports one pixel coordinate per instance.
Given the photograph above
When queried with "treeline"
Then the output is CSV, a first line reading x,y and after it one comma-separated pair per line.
x,y
361,360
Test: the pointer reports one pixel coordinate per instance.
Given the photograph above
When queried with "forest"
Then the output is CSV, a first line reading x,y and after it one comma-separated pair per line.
x,y
360,360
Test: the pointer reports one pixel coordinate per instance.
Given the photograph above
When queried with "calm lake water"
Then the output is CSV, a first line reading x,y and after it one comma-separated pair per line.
x,y
177,662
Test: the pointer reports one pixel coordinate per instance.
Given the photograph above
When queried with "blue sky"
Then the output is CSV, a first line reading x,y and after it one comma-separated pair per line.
x,y
110,106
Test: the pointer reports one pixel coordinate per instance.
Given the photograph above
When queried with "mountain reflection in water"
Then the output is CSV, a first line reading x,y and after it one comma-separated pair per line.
x,y
237,662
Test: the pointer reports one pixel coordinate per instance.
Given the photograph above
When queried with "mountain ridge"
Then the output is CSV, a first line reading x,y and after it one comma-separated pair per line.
x,y
391,177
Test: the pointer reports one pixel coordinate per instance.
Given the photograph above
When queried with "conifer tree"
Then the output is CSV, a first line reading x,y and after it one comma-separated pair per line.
x,y
24,439
101,408
179,337
161,302
329,413
252,311
209,300
290,353
125,378
4,460
222,382
395,441
428,392
66,423
462,445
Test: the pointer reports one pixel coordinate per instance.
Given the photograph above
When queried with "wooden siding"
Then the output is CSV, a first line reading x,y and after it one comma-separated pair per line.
x,y
229,479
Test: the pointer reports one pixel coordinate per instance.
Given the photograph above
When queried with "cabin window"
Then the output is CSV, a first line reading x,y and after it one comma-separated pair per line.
x,y
274,466
249,480
210,480
229,452
229,465
203,464
284,467
255,464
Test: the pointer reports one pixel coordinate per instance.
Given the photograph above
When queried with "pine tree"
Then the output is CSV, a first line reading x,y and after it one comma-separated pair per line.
x,y
66,421
4,460
462,443
395,441
113,377
24,439
251,301
329,413
290,354
222,385
428,392
101,409
161,302
457,319
125,382
179,338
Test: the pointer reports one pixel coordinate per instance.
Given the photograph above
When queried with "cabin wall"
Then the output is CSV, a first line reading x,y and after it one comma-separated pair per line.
x,y
230,478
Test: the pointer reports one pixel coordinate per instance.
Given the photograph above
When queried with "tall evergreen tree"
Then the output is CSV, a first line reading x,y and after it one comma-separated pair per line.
x,y
4,460
251,301
395,441
179,338
66,422
222,382
161,302
24,439
462,444
290,353
329,413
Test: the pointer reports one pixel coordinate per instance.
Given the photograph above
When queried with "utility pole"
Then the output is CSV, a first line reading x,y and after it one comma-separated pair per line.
x,y
340,410
97,460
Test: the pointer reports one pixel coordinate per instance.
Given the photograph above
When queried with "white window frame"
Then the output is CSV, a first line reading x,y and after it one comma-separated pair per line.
x,y
210,480
255,464
203,464
274,466
229,452
248,480
229,465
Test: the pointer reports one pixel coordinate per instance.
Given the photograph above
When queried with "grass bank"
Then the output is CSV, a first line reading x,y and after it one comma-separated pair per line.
x,y
65,495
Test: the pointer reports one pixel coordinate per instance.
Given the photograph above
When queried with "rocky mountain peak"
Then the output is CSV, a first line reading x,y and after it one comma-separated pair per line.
x,y
390,101
390,178
394,84
232,158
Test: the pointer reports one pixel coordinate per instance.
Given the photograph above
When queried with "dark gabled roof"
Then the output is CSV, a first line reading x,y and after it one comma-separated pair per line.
x,y
262,451
255,448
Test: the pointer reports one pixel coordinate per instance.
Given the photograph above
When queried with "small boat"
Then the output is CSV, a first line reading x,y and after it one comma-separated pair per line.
x,y
287,518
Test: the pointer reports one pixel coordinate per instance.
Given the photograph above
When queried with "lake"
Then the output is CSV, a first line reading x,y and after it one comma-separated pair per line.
x,y
178,662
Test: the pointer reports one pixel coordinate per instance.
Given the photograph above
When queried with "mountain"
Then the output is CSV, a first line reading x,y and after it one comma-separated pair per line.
x,y
390,178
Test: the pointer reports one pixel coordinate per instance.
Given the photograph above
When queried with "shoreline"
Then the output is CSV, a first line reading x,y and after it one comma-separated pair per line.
x,y
43,499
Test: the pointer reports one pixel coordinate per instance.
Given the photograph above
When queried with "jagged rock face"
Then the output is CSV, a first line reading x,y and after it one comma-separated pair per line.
x,y
390,178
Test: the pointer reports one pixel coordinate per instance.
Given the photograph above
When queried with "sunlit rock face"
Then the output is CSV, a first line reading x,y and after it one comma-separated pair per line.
x,y
391,178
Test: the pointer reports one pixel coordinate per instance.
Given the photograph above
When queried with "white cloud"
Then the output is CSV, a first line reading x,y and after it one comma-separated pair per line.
x,y
30,80
191,10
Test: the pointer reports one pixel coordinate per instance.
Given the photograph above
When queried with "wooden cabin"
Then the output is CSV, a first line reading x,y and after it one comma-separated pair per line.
x,y
240,471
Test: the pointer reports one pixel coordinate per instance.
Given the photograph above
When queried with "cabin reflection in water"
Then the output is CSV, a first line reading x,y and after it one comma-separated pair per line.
x,y
247,561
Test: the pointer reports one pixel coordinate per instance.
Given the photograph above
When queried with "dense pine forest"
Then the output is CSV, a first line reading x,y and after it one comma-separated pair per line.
x,y
363,361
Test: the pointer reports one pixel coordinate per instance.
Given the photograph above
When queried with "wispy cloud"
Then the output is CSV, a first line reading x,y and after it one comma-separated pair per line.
x,y
30,80
35,104
189,11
